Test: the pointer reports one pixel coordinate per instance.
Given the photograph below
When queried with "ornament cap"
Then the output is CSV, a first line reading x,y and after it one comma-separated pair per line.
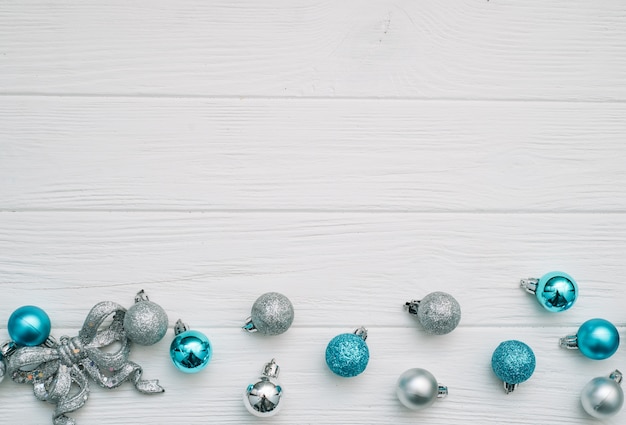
x,y
249,326
180,327
442,391
530,284
50,342
570,342
412,306
141,296
509,388
617,376
271,369
361,332
7,349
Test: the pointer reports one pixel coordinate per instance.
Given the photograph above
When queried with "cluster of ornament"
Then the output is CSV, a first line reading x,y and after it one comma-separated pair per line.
x,y
598,339
52,367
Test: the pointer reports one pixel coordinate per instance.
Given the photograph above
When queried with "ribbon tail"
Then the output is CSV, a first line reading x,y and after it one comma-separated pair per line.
x,y
128,372
146,386
69,404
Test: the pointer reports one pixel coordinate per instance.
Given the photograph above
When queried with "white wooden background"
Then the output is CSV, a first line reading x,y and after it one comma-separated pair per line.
x,y
350,154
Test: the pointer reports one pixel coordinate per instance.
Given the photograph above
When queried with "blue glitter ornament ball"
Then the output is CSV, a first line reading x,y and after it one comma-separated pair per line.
x,y
29,326
191,351
347,355
597,339
557,291
513,362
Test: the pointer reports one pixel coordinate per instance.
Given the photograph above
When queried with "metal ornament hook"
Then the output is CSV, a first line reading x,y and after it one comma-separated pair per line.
x,y
509,388
570,342
141,296
617,376
180,327
412,306
530,284
271,369
361,332
249,326
442,391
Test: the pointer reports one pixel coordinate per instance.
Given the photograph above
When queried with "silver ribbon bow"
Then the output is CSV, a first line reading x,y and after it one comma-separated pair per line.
x,y
53,370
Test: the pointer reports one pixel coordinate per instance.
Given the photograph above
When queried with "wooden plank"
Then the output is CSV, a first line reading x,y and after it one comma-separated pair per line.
x,y
314,395
355,155
340,269
529,49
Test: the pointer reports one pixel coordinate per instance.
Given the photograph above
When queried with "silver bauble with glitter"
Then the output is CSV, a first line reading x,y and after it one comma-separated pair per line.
x,y
603,397
418,389
262,397
439,313
272,314
145,322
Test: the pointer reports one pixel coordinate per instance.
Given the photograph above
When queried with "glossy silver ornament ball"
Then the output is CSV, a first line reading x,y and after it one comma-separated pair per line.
x,y
262,397
145,322
603,397
272,314
418,389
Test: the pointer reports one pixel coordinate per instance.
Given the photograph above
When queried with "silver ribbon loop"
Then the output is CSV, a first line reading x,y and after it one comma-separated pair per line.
x,y
54,371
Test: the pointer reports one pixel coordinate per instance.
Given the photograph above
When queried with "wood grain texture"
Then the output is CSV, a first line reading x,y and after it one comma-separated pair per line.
x,y
340,269
366,155
495,49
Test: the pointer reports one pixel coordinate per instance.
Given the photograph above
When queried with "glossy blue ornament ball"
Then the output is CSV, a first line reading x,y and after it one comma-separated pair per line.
x,y
29,326
191,351
557,291
347,355
597,339
513,362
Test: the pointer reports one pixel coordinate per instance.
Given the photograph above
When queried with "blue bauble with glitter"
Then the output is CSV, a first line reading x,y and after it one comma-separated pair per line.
x,y
597,339
347,354
191,351
29,326
557,291
513,362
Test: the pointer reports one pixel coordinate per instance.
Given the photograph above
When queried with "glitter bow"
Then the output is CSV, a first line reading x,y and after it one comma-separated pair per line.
x,y
54,370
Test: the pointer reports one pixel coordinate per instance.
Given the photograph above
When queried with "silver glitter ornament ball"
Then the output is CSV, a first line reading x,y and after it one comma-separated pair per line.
x,y
272,314
603,397
438,312
262,397
145,322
